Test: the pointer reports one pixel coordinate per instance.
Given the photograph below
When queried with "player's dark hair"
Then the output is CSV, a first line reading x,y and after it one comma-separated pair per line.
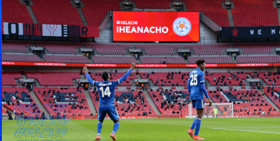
x,y
105,75
199,62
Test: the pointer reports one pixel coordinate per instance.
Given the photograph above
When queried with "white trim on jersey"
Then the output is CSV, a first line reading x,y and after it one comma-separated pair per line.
x,y
202,104
202,81
119,81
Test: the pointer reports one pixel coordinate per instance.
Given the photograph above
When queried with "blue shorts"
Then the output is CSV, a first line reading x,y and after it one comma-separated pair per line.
x,y
198,104
108,109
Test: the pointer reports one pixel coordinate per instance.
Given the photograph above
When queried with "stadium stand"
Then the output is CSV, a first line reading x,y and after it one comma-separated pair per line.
x,y
211,49
96,10
9,78
15,47
167,79
20,15
257,49
160,60
19,100
67,102
54,78
247,101
4,111
258,59
66,59
128,103
267,77
72,101
159,49
226,79
168,102
210,9
60,48
273,93
58,12
254,13
114,76
20,58
213,59
113,59
108,49
155,4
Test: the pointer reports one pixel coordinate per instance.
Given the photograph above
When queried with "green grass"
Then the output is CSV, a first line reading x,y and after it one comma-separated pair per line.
x,y
220,129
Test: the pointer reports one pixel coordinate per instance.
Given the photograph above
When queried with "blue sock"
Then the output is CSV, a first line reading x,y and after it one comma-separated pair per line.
x,y
99,127
197,126
116,127
193,124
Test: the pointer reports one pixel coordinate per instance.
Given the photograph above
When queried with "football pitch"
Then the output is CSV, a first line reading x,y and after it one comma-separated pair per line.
x,y
212,129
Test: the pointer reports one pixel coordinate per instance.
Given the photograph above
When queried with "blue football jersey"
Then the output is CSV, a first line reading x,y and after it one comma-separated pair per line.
x,y
196,77
106,90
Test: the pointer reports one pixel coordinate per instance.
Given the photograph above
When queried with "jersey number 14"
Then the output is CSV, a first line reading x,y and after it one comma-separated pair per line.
x,y
106,92
193,80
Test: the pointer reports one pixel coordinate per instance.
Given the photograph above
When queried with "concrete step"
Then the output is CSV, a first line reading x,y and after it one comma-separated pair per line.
x,y
75,83
175,52
31,13
207,83
249,76
42,59
139,77
82,16
132,83
18,82
192,52
38,102
82,77
151,84
263,82
127,51
90,60
37,83
230,17
151,102
90,102
187,61
24,76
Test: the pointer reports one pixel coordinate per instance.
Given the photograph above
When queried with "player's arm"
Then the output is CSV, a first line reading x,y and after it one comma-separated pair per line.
x,y
85,69
189,86
119,81
202,86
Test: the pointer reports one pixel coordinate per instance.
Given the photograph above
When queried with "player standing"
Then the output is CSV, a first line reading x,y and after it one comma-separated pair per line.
x,y
106,90
215,110
197,90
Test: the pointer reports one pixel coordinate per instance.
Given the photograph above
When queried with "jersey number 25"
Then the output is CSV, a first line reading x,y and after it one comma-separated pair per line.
x,y
106,92
193,80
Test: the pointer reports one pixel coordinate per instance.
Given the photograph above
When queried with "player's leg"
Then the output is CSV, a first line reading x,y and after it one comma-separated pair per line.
x,y
101,117
199,110
114,117
190,131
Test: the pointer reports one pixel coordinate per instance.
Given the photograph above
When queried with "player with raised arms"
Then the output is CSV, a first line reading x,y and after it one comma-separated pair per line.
x,y
197,90
106,90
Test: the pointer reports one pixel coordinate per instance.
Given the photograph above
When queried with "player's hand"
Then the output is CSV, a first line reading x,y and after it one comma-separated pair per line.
x,y
210,102
85,69
132,64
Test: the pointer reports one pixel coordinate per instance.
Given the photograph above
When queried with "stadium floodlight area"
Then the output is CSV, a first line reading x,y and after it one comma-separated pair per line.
x,y
224,110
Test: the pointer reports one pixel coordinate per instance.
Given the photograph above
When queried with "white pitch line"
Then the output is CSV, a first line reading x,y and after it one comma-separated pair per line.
x,y
247,131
